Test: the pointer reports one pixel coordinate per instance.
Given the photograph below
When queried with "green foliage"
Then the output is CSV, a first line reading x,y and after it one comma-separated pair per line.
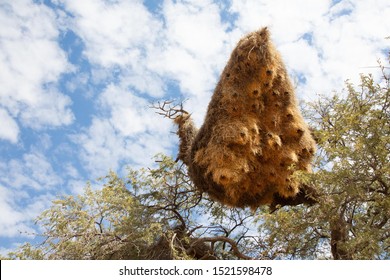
x,y
150,214
354,135
352,171
99,224
156,213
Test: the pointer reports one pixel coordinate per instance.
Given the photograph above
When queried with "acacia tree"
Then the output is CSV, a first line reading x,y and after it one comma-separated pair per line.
x,y
157,213
153,213
353,173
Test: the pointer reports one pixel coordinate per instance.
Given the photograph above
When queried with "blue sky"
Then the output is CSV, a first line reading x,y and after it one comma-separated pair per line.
x,y
77,79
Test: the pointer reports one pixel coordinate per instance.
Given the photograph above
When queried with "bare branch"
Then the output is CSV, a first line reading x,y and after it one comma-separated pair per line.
x,y
231,242
168,109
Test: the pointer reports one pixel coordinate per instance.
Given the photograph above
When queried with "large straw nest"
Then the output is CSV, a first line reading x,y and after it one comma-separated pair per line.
x,y
253,137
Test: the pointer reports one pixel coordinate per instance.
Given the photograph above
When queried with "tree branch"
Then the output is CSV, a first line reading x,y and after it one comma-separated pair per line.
x,y
168,109
232,243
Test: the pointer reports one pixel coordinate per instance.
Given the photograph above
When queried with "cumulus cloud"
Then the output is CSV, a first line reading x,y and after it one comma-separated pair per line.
x,y
193,51
17,221
9,128
332,42
32,171
288,21
117,35
31,63
195,26
110,29
27,187
9,217
126,132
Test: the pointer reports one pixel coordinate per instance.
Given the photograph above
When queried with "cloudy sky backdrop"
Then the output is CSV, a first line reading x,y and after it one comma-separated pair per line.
x,y
77,79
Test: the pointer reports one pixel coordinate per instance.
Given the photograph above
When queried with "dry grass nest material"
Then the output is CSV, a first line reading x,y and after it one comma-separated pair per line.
x,y
253,137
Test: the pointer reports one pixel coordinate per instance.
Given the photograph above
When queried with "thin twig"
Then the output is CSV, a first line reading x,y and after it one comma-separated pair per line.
x,y
168,109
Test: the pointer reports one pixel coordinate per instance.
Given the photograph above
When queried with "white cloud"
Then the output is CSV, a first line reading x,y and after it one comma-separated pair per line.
x,y
327,44
9,217
129,114
116,36
127,132
33,171
111,30
305,59
17,221
288,20
76,187
195,26
27,187
31,63
9,128
193,51
71,171
101,150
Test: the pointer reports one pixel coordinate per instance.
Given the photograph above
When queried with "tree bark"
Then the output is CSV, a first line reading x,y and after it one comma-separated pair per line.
x,y
339,236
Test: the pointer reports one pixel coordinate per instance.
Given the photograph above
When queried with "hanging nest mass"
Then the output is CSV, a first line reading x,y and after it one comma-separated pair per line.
x,y
254,137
